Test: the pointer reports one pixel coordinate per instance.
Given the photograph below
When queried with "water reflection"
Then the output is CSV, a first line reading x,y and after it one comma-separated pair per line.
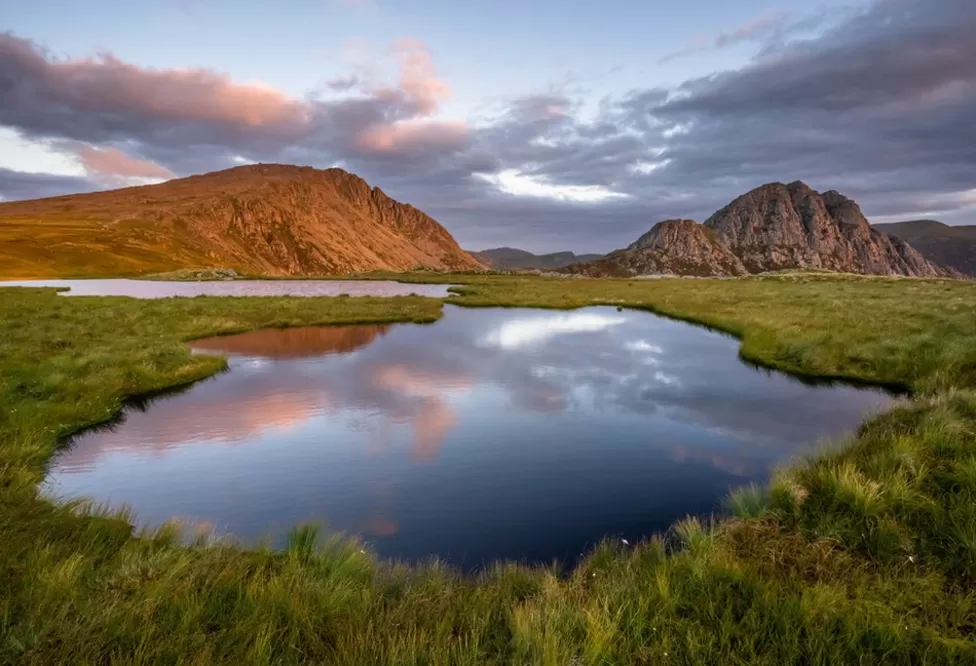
x,y
283,343
493,433
162,289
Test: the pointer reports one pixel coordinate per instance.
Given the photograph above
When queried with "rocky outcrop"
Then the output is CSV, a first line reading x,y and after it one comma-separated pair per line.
x,y
690,247
265,219
773,227
672,247
779,226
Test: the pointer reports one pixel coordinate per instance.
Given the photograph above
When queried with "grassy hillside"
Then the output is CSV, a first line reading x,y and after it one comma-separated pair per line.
x,y
912,230
65,246
866,555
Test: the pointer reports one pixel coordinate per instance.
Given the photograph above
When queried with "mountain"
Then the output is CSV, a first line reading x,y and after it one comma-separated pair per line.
x,y
267,219
779,226
772,227
672,247
954,247
510,258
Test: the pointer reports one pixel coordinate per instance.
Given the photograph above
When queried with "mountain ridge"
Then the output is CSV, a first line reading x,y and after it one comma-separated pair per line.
x,y
511,258
268,219
273,219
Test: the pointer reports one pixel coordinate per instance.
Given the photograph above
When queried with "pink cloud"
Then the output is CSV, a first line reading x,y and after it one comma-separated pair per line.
x,y
404,135
190,94
113,162
104,101
424,91
418,76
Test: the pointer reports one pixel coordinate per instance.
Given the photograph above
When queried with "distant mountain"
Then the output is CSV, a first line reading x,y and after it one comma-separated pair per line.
x,y
772,227
267,219
954,247
510,258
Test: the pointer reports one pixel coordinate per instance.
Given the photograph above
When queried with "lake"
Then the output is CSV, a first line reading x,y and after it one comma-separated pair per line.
x,y
491,434
164,289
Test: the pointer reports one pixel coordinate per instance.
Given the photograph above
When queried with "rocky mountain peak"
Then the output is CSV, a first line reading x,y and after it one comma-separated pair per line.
x,y
778,226
772,227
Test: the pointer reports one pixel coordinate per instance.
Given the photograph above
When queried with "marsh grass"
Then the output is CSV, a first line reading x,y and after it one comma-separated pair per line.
x,y
864,554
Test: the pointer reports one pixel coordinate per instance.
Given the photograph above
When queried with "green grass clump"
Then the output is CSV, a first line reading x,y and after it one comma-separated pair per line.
x,y
865,554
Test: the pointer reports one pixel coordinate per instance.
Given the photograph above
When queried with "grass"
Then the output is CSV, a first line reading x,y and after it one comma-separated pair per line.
x,y
866,554
73,245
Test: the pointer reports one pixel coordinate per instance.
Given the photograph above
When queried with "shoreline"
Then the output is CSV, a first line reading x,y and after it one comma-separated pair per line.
x,y
934,391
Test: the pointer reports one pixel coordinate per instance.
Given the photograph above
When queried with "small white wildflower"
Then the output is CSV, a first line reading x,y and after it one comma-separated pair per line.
x,y
626,543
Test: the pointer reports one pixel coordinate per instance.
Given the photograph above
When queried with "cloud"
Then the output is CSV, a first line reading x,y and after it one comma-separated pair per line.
x,y
875,101
404,136
344,83
513,181
418,76
36,82
757,29
193,120
518,333
112,164
877,105
16,185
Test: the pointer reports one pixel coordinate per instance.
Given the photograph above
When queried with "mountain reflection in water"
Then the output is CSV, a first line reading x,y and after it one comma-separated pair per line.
x,y
493,433
281,343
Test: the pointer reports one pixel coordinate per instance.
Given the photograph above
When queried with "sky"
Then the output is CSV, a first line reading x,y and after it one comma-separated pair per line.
x,y
542,124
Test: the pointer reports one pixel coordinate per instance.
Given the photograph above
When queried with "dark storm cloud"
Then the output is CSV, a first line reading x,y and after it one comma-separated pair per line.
x,y
878,105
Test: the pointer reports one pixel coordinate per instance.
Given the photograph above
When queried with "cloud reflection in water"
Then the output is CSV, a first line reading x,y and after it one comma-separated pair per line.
x,y
492,433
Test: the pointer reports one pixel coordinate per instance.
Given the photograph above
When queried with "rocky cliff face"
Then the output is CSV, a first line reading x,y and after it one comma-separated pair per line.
x,y
267,219
687,243
773,227
779,226
672,247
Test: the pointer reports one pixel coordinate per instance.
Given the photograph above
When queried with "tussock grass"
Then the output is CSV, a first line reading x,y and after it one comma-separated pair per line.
x,y
864,554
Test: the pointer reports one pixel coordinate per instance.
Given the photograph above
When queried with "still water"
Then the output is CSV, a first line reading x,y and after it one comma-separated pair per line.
x,y
161,289
493,433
